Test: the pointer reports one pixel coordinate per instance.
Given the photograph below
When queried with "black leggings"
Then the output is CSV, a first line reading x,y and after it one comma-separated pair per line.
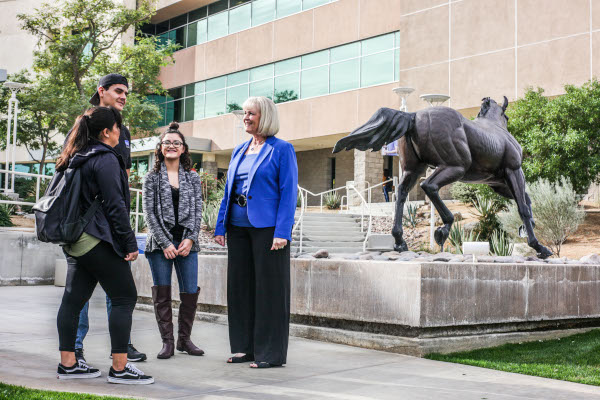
x,y
258,294
101,264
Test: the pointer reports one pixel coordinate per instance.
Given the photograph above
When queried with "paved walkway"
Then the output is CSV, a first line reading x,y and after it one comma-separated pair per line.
x,y
316,370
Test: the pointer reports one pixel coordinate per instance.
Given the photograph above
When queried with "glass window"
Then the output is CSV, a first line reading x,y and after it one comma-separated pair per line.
x,y
233,3
189,108
239,18
313,3
287,87
237,78
148,29
176,93
217,26
162,27
236,97
215,103
180,36
215,83
345,52
377,68
288,7
162,109
315,59
196,33
199,107
344,75
287,66
174,111
314,82
178,21
396,39
258,73
377,44
217,7
262,11
262,88
197,14
199,87
396,64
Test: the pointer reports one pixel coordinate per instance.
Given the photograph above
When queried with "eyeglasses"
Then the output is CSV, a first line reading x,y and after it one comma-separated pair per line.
x,y
177,144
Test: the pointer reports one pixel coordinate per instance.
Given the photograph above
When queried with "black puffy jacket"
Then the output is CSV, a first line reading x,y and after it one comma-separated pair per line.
x,y
103,174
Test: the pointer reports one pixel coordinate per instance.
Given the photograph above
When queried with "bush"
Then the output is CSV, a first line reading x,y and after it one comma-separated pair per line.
x,y
333,201
458,236
467,192
555,211
410,217
500,245
488,209
210,214
5,217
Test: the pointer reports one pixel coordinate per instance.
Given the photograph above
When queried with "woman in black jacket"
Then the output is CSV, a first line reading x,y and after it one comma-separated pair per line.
x,y
104,249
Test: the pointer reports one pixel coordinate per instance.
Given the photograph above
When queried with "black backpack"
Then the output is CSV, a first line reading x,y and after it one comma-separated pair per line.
x,y
58,216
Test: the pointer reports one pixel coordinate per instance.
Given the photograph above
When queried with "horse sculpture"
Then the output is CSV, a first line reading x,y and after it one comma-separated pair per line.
x,y
478,151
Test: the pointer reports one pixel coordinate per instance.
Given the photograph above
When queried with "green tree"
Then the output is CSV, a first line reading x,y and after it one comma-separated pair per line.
x,y
560,137
79,41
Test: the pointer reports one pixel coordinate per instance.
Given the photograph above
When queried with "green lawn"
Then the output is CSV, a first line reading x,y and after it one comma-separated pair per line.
x,y
574,358
11,392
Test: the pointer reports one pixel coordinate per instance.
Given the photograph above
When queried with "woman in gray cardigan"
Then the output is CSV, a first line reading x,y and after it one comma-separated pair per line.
x,y
172,200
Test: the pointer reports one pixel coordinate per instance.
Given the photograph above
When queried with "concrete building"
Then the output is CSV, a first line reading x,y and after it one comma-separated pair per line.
x,y
331,63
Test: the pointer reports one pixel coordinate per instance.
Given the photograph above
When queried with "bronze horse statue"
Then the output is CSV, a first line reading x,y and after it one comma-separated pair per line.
x,y
478,151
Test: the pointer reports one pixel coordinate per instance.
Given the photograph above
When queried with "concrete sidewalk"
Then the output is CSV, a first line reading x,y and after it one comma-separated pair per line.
x,y
315,370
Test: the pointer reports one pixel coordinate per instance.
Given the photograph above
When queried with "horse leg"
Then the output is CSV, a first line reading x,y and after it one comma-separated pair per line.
x,y
441,177
516,182
407,182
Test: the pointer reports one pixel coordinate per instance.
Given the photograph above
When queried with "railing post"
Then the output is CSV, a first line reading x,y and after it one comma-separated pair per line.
x,y
37,188
137,210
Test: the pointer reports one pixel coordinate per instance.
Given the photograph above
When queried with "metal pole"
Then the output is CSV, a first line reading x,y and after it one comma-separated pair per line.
x,y
14,149
7,166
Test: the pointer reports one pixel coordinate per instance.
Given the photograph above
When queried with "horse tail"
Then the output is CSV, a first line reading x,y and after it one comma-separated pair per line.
x,y
385,126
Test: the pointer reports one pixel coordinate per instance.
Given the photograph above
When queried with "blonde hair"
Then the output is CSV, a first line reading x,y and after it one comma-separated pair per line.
x,y
269,118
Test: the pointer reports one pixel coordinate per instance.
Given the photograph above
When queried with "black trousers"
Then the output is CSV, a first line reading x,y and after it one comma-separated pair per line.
x,y
101,264
258,294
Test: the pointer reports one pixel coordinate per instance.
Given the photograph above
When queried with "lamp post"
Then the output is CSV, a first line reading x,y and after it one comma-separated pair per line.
x,y
403,92
14,88
433,100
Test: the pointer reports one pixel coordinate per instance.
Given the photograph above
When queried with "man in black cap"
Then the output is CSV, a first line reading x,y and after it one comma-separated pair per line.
x,y
112,91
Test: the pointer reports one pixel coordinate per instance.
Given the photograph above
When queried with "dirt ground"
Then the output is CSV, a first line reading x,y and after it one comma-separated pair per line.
x,y
22,222
584,241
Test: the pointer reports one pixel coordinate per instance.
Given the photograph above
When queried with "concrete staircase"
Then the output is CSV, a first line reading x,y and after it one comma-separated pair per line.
x,y
337,233
381,209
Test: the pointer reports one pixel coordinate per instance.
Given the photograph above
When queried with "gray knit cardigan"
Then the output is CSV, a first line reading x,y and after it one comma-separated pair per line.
x,y
158,208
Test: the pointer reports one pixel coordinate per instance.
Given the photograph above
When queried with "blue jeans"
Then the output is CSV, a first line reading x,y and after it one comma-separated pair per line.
x,y
186,269
84,323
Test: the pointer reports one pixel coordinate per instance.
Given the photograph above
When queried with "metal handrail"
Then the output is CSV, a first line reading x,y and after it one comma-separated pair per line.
x,y
364,202
300,221
38,177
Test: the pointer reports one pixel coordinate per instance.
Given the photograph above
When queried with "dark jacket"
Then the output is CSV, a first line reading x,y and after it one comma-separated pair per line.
x,y
103,174
158,208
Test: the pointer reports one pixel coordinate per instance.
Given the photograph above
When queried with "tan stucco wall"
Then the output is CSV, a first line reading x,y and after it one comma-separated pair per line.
x,y
16,46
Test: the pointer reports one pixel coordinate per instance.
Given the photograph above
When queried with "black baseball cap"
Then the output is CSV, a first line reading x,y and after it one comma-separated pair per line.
x,y
106,81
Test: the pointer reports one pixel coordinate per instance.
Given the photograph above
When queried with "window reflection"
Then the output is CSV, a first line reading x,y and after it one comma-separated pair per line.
x,y
345,75
217,26
239,18
315,82
377,68
215,103
262,11
288,7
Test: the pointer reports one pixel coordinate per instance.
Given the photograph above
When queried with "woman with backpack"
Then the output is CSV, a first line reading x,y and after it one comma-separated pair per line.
x,y
172,199
103,250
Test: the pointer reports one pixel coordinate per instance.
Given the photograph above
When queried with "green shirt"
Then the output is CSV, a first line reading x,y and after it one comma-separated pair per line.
x,y
85,243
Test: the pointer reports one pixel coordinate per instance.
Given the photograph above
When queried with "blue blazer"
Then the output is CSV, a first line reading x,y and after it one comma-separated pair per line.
x,y
272,188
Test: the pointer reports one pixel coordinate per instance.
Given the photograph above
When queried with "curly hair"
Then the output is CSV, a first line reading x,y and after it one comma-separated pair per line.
x,y
184,159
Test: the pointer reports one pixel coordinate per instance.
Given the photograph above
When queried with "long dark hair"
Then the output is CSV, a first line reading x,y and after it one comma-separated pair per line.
x,y
87,127
185,160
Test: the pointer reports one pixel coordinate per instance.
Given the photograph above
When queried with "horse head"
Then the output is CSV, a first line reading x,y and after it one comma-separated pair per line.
x,y
490,109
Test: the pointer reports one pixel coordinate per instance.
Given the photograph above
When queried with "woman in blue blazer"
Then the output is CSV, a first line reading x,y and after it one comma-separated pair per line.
x,y
257,214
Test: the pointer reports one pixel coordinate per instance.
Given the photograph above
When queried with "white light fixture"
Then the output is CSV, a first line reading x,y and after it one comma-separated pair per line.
x,y
14,88
435,100
403,92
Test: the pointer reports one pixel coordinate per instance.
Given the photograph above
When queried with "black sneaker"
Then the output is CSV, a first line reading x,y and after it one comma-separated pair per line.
x,y
134,355
79,355
78,371
131,375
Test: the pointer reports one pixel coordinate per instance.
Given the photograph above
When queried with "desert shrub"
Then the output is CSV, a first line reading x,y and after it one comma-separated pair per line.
x,y
212,188
467,192
141,222
410,216
500,244
210,214
458,235
487,210
333,200
5,217
556,213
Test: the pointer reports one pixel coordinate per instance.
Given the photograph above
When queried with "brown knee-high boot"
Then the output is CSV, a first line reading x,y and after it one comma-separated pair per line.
x,y
161,296
187,314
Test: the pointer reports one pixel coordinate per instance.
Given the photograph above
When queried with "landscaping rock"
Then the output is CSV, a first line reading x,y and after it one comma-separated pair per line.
x,y
590,259
458,217
443,257
409,254
457,258
391,255
489,259
321,254
504,259
556,260
381,258
470,226
351,257
365,257
522,249
533,259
